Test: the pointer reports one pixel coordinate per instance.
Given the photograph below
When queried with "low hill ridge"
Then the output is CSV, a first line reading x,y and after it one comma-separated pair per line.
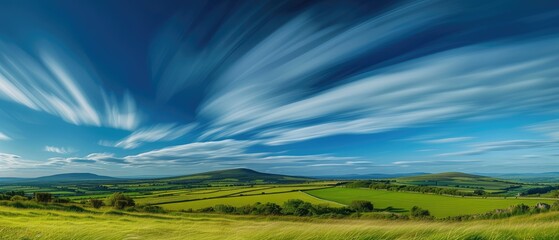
x,y
72,177
444,176
236,176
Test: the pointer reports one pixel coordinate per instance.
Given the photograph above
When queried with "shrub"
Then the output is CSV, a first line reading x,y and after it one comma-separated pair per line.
x,y
74,208
96,203
479,192
43,197
222,208
519,209
152,209
417,212
61,200
361,206
18,198
120,204
119,201
268,209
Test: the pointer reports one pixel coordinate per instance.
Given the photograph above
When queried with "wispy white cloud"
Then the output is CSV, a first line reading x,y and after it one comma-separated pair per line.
x,y
12,161
4,137
104,158
160,132
454,84
434,162
9,160
59,150
224,153
549,128
509,145
448,140
62,85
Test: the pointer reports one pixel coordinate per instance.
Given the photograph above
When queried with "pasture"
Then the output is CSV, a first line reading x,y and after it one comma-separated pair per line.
x,y
237,201
438,205
48,224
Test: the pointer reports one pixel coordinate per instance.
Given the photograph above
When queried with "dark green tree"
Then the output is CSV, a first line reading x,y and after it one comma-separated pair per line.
x,y
42,197
96,203
119,201
361,206
417,212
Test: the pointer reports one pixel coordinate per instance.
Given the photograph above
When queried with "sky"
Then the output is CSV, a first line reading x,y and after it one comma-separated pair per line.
x,y
136,88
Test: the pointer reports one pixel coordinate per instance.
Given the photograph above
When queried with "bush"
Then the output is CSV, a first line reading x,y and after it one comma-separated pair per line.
x,y
61,200
120,204
18,198
361,206
268,209
222,208
519,209
119,201
479,192
43,197
417,212
298,207
96,203
74,208
152,209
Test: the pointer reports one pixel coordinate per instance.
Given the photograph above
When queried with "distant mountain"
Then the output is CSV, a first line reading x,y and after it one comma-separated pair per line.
x,y
235,176
445,176
69,177
369,176
10,179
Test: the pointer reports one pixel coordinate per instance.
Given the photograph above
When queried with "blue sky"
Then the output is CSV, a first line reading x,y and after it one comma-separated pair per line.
x,y
128,88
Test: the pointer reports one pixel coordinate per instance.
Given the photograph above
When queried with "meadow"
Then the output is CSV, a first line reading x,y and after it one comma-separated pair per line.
x,y
278,198
438,205
46,224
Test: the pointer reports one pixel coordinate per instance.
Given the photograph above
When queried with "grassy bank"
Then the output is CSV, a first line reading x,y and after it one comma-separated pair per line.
x,y
48,224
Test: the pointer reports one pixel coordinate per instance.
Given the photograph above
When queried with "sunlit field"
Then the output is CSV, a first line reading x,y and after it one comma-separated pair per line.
x,y
439,206
43,224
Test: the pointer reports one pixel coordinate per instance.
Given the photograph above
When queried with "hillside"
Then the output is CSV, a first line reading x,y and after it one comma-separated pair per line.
x,y
234,176
546,177
369,176
458,179
69,177
445,176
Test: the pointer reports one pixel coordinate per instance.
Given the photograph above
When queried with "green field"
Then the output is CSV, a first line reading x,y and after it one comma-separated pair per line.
x,y
278,198
45,225
178,196
459,180
439,206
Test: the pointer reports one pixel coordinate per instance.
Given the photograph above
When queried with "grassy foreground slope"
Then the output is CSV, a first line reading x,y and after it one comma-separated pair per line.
x,y
45,224
438,205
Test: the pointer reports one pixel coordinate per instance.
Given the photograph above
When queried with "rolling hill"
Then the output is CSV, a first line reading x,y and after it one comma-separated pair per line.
x,y
65,177
69,177
458,179
234,177
369,176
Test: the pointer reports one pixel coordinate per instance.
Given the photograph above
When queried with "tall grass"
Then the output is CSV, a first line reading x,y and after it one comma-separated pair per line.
x,y
51,224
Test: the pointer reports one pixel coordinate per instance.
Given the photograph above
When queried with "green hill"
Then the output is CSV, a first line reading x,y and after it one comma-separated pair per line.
x,y
71,177
459,180
238,176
